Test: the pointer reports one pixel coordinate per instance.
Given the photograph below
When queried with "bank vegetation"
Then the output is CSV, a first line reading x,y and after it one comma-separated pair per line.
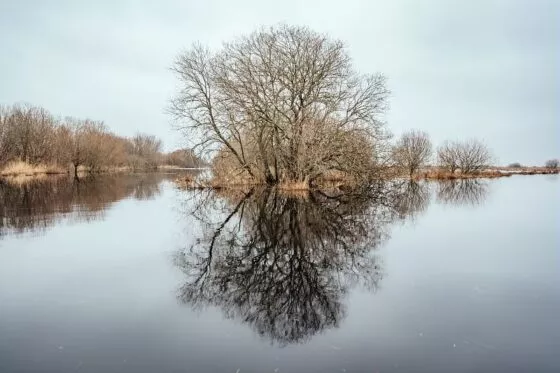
x,y
284,106
33,141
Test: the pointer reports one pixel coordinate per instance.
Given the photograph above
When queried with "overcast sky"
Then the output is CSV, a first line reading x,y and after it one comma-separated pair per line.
x,y
456,69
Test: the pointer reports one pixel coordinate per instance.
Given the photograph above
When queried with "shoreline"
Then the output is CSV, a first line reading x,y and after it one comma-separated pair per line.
x,y
30,171
189,183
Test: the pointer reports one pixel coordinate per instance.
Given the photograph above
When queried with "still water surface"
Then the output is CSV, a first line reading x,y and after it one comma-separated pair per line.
x,y
129,274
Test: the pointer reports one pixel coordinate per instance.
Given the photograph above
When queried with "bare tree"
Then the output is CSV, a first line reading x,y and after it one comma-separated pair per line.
x,y
27,132
448,156
462,192
32,135
474,156
469,157
87,142
552,164
281,104
146,150
4,114
413,150
183,158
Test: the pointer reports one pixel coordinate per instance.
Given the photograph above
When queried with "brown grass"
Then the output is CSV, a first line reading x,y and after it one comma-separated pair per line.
x,y
438,174
19,168
20,180
340,180
294,185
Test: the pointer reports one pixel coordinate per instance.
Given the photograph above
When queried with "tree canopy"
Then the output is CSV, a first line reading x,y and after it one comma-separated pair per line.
x,y
281,104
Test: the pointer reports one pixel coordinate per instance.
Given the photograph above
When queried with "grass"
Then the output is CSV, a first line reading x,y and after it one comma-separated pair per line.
x,y
19,168
294,185
339,180
438,174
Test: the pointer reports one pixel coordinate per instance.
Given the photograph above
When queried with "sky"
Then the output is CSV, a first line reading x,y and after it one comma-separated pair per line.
x,y
483,69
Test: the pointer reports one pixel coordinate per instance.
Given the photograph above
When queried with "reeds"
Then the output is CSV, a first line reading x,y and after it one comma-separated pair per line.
x,y
20,168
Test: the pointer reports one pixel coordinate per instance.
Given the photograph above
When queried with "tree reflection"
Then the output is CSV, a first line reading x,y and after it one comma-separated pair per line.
x,y
462,191
37,204
282,264
412,198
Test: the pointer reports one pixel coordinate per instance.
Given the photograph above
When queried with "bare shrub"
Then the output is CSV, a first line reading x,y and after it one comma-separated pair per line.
x,y
413,150
471,156
448,156
32,139
474,156
552,164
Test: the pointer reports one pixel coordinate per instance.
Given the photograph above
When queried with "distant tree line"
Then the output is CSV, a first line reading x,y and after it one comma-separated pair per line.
x,y
414,151
33,135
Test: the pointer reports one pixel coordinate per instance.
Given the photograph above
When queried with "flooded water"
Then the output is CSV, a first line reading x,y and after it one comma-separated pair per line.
x,y
129,274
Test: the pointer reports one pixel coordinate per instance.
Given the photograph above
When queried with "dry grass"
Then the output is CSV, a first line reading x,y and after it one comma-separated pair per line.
x,y
294,185
172,167
19,168
189,182
21,180
341,181
438,174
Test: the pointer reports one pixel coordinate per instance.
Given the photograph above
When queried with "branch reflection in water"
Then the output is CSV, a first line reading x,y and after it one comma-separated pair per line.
x,y
34,205
282,263
462,192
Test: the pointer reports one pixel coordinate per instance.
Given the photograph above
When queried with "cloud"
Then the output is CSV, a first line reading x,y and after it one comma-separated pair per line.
x,y
457,69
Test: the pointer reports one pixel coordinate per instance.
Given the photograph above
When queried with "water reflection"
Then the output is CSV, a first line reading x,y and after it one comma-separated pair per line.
x,y
462,192
411,199
35,205
282,264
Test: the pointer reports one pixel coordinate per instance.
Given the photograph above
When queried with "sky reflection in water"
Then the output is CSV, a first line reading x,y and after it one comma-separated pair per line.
x,y
126,273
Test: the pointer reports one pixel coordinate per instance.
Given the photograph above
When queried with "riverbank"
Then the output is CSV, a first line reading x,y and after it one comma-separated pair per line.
x,y
437,174
19,168
23,169
190,182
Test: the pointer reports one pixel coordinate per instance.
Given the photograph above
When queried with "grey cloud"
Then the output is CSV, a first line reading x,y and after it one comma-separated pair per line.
x,y
457,69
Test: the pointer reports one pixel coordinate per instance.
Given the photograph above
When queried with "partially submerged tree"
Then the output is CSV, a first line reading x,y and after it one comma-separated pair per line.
x,y
281,104
413,150
552,164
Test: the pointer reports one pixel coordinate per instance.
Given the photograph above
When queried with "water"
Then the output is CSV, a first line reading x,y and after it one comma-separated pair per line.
x,y
129,274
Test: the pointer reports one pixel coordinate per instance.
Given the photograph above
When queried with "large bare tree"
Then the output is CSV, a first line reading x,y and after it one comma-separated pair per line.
x,y
282,103
413,150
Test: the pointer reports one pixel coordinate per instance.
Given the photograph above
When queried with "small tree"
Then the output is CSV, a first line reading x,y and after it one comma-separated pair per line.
x,y
552,164
470,156
474,156
448,156
87,141
514,165
413,150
